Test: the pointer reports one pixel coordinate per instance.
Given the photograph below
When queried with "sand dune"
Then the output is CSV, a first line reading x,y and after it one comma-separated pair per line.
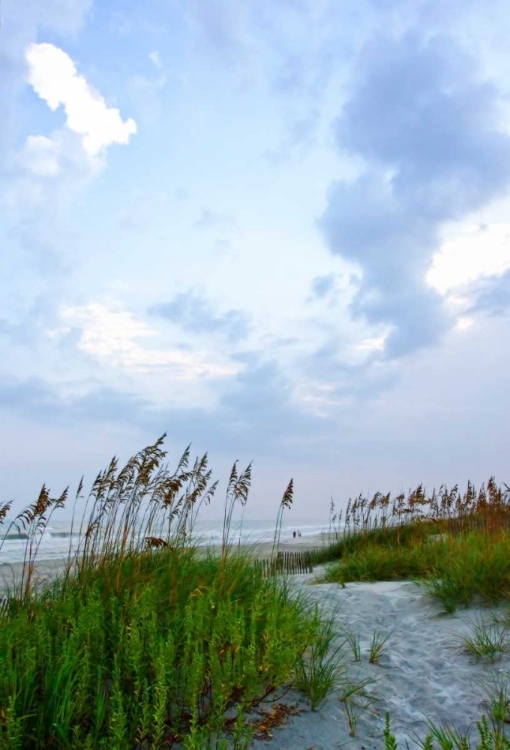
x,y
422,675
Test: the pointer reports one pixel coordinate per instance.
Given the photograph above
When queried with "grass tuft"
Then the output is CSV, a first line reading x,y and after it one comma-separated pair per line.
x,y
487,642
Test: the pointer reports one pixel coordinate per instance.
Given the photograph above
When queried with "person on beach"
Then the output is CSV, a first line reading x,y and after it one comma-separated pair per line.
x,y
294,534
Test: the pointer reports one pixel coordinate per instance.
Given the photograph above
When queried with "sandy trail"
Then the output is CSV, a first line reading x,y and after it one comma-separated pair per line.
x,y
421,674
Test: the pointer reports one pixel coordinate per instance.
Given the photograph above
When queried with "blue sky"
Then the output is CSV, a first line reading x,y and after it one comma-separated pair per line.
x,y
278,231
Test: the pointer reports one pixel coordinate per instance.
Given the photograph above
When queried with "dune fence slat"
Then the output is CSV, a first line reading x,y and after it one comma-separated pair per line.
x,y
287,562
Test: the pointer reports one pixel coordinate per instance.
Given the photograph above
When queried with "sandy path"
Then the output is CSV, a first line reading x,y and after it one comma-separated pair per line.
x,y
420,676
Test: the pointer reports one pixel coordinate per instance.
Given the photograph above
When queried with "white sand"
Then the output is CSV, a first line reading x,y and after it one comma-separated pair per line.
x,y
421,675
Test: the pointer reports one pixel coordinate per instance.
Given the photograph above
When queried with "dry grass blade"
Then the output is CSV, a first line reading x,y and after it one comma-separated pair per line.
x,y
237,491
275,717
286,502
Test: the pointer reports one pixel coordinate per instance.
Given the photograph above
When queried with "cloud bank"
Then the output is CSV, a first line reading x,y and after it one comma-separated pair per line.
x,y
429,132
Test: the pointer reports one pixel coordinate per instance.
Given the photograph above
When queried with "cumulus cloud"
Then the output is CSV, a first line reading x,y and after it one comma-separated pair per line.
x,y
476,251
428,131
40,401
196,314
259,413
54,78
31,397
49,170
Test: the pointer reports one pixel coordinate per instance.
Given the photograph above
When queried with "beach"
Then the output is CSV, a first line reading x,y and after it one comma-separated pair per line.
x,y
422,675
261,550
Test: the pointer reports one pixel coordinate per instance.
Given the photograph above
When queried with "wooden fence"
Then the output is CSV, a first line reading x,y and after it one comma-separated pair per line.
x,y
287,562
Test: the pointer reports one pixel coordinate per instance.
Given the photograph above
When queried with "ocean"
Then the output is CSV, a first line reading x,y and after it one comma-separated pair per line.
x,y
58,538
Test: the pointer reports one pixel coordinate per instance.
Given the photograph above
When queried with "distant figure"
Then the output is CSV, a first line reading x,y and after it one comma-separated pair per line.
x,y
294,534
299,533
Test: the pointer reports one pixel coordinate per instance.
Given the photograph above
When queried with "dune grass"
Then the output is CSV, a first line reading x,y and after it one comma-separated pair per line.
x,y
457,546
455,570
145,641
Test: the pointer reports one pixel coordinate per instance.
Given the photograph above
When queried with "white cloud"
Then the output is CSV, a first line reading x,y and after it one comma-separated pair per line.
x,y
54,78
156,59
109,334
477,252
40,156
374,343
464,324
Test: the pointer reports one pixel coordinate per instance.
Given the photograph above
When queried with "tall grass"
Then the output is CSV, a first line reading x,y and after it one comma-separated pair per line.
x,y
457,545
144,640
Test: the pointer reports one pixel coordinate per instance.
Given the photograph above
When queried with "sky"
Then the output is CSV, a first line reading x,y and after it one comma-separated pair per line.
x,y
278,231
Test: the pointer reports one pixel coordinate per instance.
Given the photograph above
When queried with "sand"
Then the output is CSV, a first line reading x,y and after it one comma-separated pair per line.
x,y
421,675
261,550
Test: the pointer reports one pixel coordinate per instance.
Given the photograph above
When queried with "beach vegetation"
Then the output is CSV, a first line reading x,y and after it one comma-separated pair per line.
x,y
485,641
496,688
351,713
353,639
377,644
146,640
322,667
456,545
448,738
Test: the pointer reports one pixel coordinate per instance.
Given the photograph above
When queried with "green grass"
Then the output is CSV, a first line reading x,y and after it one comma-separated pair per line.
x,y
377,645
182,641
487,641
447,738
144,640
458,548
454,570
322,668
